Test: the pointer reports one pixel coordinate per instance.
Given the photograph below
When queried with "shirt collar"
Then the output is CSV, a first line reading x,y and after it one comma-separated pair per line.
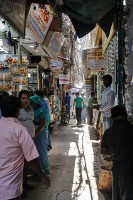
x,y
108,88
29,108
12,119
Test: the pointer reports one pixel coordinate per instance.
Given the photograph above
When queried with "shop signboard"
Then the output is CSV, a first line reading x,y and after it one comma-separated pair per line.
x,y
38,21
95,59
55,64
54,45
63,79
15,14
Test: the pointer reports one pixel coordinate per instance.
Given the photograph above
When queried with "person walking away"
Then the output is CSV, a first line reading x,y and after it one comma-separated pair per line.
x,y
107,102
84,110
67,101
15,145
78,103
41,121
90,108
26,117
117,142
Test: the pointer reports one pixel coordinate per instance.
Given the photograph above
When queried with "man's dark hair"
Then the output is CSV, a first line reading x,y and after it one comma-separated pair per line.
x,y
67,93
39,93
9,106
2,95
23,92
118,111
92,93
77,93
107,77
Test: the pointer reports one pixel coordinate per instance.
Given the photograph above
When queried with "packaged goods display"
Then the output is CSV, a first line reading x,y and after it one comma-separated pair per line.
x,y
11,74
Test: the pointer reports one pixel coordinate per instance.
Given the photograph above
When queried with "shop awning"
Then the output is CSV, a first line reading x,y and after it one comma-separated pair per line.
x,y
85,14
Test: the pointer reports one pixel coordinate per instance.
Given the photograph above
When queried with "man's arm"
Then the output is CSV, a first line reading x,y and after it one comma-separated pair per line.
x,y
34,165
31,154
104,145
40,127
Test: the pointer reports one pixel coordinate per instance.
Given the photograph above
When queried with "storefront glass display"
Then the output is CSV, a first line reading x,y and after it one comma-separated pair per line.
x,y
32,79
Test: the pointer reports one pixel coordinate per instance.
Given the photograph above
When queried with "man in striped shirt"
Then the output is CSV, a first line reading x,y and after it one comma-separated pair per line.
x,y
107,102
26,117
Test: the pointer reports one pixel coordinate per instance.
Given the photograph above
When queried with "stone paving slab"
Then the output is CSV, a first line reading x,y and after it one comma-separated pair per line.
x,y
75,164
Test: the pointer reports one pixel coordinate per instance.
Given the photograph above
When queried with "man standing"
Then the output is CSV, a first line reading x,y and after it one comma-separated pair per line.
x,y
107,102
118,142
73,96
67,101
15,145
90,108
26,117
78,103
84,110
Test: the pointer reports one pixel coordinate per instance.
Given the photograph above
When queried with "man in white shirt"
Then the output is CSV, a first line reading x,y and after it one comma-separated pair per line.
x,y
84,110
107,102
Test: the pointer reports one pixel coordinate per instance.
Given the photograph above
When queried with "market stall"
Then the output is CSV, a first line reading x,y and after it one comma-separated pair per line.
x,y
12,77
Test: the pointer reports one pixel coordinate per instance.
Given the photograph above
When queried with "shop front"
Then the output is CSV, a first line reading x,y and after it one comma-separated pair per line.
x,y
13,78
56,97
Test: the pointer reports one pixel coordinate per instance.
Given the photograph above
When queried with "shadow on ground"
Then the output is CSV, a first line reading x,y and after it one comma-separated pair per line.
x,y
73,175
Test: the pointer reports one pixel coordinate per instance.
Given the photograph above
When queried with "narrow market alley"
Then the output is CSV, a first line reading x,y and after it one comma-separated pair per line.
x,y
75,164
61,60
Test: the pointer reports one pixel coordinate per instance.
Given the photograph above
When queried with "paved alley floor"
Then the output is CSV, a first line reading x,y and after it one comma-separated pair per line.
x,y
75,164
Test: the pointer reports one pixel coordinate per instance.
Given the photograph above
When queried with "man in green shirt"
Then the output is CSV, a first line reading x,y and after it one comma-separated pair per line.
x,y
78,103
90,108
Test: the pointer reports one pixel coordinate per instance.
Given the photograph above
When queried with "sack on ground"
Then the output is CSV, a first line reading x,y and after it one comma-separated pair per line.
x,y
105,180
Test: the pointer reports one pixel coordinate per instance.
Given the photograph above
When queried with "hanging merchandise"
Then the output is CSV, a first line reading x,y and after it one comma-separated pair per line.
x,y
20,75
56,106
5,76
13,77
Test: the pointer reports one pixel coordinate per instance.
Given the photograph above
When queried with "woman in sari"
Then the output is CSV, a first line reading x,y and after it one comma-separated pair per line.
x,y
41,121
